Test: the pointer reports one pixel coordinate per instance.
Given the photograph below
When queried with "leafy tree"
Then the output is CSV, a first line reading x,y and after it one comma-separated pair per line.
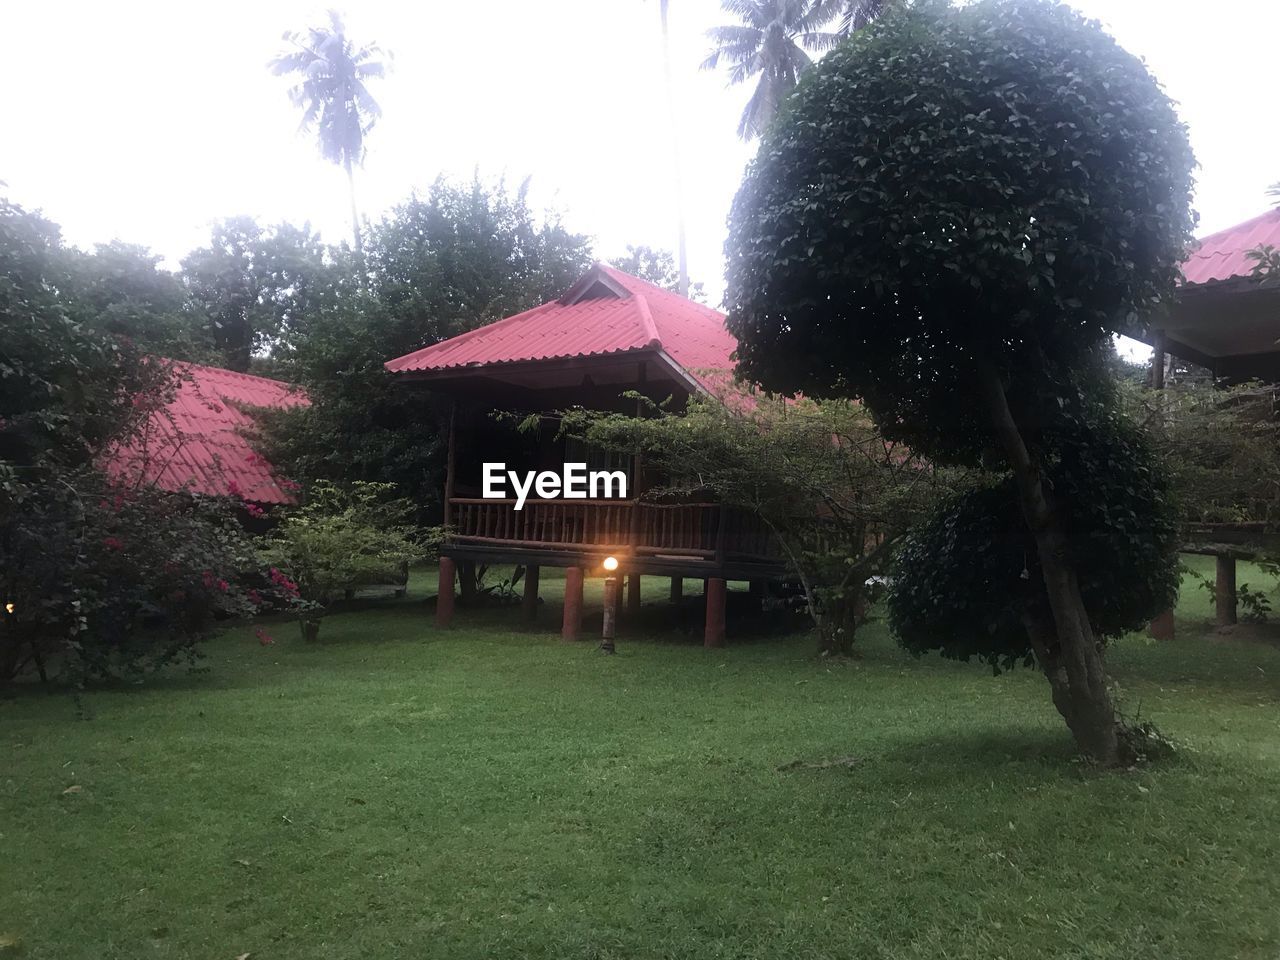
x,y
467,254
856,14
331,92
339,539
833,492
1219,447
659,268
254,288
66,391
459,257
95,580
122,290
957,209
682,266
773,41
969,582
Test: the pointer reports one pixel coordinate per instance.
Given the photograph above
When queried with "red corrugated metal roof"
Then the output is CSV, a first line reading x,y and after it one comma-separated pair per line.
x,y
1223,255
605,312
197,442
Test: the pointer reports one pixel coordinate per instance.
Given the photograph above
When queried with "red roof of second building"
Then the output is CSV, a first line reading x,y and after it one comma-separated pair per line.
x,y
197,442
625,314
1224,255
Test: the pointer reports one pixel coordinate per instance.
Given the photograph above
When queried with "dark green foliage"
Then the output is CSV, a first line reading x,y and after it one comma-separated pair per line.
x,y
101,580
658,267
107,581
255,288
121,290
998,184
65,390
963,580
459,257
464,255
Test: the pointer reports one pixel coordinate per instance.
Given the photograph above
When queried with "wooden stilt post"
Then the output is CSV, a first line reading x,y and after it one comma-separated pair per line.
x,y
677,589
467,583
617,590
1157,359
633,594
572,603
713,633
529,602
1162,626
444,593
1225,591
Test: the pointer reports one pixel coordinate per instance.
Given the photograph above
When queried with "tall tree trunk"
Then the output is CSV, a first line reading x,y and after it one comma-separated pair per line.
x,y
1071,655
682,256
355,213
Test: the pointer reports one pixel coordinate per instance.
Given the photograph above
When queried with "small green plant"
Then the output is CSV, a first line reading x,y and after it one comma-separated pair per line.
x,y
339,538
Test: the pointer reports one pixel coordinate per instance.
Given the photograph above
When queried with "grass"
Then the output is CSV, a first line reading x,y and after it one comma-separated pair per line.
x,y
489,792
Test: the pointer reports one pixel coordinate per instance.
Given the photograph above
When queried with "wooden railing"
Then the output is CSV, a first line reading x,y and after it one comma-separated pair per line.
x,y
704,530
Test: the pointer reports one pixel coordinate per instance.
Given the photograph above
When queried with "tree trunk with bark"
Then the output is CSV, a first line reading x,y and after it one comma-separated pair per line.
x,y
355,213
1069,652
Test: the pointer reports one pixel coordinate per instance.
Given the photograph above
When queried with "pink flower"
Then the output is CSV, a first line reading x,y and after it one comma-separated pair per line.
x,y
113,543
253,510
208,578
264,638
254,597
224,586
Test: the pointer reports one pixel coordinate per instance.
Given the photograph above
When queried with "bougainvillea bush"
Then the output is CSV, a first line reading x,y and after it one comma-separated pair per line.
x,y
103,581
96,579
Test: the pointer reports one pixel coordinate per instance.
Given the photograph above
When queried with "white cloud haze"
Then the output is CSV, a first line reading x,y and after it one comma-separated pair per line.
x,y
145,121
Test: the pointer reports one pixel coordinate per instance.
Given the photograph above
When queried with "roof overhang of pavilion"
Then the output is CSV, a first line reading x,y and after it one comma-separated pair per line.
x,y
526,379
1230,326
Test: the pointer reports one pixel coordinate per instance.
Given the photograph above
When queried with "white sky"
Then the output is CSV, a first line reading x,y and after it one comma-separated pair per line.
x,y
145,121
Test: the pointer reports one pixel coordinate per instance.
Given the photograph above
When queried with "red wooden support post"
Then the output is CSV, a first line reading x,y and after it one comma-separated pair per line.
x,y
713,634
572,603
1162,626
529,602
677,589
633,594
444,593
1225,591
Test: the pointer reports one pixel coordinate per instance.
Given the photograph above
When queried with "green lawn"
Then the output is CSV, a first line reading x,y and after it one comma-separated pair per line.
x,y
489,792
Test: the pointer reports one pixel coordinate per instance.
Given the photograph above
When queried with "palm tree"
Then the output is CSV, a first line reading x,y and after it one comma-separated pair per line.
x,y
856,14
331,92
682,256
774,41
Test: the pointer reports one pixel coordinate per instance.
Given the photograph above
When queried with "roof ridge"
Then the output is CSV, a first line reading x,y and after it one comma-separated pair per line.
x,y
646,321
651,287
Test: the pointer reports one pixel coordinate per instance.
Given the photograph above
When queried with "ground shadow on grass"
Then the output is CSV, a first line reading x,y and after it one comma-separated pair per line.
x,y
943,751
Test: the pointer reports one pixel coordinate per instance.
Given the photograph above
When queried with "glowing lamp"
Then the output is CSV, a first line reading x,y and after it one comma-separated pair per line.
x,y
8,608
610,605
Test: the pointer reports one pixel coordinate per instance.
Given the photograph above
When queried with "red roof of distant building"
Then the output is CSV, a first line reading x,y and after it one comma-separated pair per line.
x,y
606,312
1223,255
197,441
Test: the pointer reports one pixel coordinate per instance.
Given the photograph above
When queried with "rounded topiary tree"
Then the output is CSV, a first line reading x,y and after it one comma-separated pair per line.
x,y
968,583
952,212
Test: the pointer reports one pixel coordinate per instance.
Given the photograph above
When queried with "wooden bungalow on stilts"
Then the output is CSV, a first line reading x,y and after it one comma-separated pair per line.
x,y
1228,321
609,336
